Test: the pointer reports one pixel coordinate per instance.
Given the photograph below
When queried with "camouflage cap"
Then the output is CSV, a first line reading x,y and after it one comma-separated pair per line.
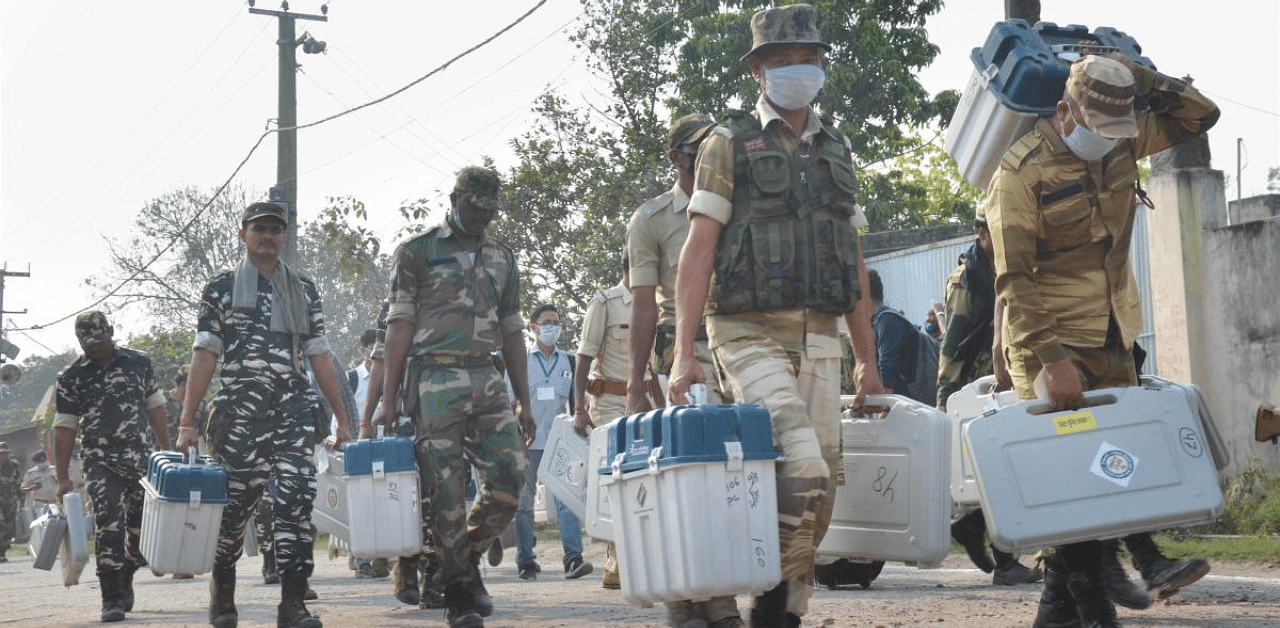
x,y
480,185
92,328
792,24
1103,88
4,446
263,210
689,129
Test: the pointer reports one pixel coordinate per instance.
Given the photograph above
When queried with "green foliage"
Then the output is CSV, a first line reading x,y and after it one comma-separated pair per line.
x,y
1253,503
921,187
19,401
1258,549
169,349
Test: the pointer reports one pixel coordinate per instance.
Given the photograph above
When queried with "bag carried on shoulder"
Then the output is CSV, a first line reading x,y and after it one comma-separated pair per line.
x,y
923,386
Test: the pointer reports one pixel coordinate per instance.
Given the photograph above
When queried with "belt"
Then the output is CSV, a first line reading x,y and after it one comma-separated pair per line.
x,y
700,336
454,361
598,387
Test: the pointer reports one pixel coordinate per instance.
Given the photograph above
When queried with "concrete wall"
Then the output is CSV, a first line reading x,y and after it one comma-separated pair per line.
x,y
1216,296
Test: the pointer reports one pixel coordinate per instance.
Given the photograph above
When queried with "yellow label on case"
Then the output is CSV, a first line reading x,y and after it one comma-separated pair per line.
x,y
1081,421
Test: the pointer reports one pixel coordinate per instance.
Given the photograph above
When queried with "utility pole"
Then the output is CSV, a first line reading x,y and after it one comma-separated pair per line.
x,y
1028,10
285,191
7,349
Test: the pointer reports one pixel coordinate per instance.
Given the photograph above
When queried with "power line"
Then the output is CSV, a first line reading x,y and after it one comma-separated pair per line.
x,y
254,149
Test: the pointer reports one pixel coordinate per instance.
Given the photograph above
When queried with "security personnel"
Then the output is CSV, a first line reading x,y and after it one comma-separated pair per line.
x,y
601,369
1061,225
966,354
265,321
10,479
110,396
655,235
454,299
774,213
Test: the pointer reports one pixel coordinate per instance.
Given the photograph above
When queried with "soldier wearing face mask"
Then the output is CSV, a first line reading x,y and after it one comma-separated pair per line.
x,y
773,255
550,375
1061,225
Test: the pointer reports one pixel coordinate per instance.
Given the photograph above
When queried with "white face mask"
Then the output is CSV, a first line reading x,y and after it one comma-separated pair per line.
x,y
793,86
548,334
1086,144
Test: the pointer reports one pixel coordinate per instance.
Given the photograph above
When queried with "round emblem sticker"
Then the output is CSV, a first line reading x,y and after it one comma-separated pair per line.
x,y
1117,464
332,497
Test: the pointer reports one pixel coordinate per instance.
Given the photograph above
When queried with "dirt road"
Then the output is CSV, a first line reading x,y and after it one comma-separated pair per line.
x,y
955,596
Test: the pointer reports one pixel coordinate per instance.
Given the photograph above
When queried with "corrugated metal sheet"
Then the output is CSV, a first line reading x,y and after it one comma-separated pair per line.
x,y
914,278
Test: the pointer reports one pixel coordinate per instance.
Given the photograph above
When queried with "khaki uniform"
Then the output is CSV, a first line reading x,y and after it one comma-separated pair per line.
x,y
460,308
787,361
655,235
605,332
1062,228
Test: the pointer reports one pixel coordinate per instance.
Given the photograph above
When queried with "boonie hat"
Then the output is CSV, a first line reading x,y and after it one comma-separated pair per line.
x,y
480,185
689,129
1103,88
92,328
263,210
792,24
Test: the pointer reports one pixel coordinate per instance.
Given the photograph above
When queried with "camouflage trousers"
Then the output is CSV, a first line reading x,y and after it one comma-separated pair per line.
x,y
465,417
802,395
8,521
117,516
269,437
264,520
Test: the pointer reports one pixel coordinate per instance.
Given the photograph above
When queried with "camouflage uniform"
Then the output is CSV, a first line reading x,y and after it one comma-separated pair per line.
x,y
787,361
263,422
109,405
965,354
10,479
460,308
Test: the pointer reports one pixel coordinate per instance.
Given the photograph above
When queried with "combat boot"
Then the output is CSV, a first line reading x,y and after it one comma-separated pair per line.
x,y
432,588
126,586
770,608
1095,610
1119,587
1010,572
404,579
684,614
1057,607
475,586
222,598
1164,577
968,531
461,611
112,606
292,611
270,571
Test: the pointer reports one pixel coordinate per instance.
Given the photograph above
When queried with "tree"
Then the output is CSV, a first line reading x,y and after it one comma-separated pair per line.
x,y
18,401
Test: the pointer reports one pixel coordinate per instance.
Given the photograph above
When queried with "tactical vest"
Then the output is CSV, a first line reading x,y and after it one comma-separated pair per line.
x,y
789,242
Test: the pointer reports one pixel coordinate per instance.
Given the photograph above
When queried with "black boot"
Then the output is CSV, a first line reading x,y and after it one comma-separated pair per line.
x,y
1164,577
770,608
432,587
461,611
126,586
1057,608
112,605
1010,572
1096,611
968,531
270,571
1119,587
404,579
475,586
222,598
292,611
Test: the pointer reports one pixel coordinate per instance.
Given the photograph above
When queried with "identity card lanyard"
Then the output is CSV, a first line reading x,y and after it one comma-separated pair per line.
x,y
547,392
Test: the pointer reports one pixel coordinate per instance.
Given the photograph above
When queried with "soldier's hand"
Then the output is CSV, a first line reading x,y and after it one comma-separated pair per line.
x,y
684,373
637,401
64,487
187,437
866,381
1063,384
366,431
339,440
1001,369
582,423
528,428
1123,59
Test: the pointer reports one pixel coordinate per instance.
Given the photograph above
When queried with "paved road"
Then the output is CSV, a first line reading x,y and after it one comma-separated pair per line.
x,y
1232,596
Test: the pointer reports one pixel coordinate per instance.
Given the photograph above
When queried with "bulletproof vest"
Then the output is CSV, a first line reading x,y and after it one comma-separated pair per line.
x,y
789,242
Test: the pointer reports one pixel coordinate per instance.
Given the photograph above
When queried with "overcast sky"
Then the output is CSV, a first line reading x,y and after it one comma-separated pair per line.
x,y
106,105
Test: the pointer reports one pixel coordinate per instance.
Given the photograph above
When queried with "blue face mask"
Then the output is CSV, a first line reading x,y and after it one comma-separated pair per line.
x,y
1086,144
